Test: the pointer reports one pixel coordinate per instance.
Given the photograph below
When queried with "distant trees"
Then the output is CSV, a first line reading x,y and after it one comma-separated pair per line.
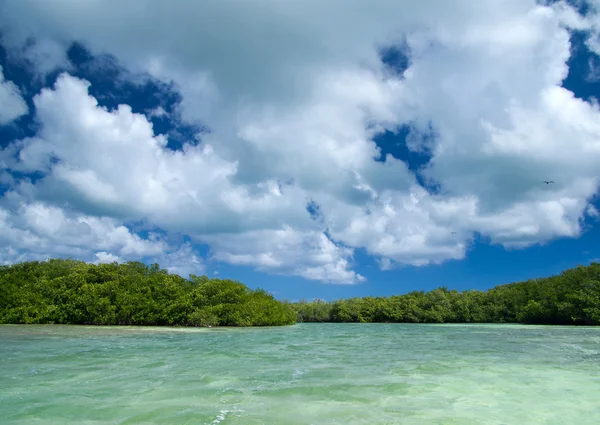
x,y
74,292
571,298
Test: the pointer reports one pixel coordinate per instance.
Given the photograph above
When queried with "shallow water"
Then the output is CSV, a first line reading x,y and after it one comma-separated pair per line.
x,y
304,374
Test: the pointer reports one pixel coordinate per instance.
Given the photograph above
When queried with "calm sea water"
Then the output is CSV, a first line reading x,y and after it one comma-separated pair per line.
x,y
304,374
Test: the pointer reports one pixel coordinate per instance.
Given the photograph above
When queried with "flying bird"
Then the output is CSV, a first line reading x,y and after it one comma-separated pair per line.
x,y
454,233
548,182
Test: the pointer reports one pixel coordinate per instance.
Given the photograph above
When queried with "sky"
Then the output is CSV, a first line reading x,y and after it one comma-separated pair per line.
x,y
313,149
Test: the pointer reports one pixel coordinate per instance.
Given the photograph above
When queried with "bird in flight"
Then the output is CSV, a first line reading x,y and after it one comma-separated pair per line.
x,y
548,182
454,233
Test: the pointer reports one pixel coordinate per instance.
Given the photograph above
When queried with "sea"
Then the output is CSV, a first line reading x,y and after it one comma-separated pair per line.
x,y
306,374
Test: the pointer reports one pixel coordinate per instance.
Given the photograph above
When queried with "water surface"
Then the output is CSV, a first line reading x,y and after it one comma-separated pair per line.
x,y
306,374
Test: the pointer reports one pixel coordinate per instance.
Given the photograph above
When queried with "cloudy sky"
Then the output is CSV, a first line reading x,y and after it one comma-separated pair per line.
x,y
313,148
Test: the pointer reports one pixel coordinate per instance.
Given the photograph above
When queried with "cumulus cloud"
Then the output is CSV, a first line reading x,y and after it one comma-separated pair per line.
x,y
43,230
111,164
590,22
294,98
103,257
312,255
411,228
182,261
12,105
36,231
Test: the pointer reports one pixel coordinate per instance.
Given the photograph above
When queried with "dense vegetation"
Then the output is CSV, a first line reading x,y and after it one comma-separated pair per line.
x,y
573,297
74,292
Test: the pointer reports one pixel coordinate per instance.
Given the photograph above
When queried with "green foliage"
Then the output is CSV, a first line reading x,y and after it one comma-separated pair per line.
x,y
74,292
571,298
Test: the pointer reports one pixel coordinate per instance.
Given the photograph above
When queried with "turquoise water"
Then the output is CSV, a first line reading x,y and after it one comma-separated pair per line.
x,y
304,374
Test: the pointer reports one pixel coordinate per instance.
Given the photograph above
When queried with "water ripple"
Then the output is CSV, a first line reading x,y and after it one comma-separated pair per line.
x,y
307,374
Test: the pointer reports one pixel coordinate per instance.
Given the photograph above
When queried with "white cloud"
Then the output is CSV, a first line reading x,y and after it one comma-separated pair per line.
x,y
115,165
412,228
308,254
589,23
157,112
12,105
35,231
182,261
293,107
38,230
106,257
26,155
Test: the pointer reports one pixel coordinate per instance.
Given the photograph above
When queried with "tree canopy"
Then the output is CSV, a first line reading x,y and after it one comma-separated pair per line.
x,y
74,292
570,298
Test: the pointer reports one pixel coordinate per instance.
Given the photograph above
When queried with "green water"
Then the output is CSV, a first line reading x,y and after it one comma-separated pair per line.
x,y
304,374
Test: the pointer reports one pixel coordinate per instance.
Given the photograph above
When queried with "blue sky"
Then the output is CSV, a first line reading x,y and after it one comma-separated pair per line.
x,y
400,149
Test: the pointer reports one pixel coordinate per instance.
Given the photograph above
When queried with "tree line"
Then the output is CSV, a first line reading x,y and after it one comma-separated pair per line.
x,y
570,298
74,292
